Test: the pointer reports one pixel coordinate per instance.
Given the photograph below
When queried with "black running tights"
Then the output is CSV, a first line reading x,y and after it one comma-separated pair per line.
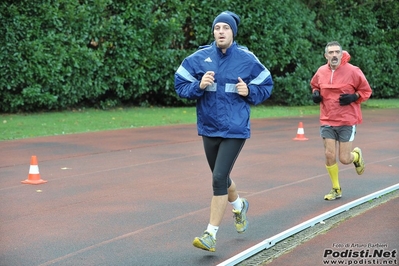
x,y
221,154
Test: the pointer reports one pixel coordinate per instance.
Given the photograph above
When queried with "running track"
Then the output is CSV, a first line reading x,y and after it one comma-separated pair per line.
x,y
140,196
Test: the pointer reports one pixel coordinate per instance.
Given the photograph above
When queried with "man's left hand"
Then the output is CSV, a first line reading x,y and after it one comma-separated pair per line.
x,y
346,99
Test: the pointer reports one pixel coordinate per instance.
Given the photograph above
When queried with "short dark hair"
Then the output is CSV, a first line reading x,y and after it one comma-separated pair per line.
x,y
333,43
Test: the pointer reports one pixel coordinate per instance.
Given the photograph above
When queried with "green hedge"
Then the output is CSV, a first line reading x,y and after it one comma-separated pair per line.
x,y
64,54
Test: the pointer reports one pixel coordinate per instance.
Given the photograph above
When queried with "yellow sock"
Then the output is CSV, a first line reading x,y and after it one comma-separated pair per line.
x,y
333,172
355,157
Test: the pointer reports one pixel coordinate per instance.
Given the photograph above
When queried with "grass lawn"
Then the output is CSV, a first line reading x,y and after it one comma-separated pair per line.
x,y
18,126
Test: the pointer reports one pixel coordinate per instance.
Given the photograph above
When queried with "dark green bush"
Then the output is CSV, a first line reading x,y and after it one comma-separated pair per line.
x,y
60,54
369,31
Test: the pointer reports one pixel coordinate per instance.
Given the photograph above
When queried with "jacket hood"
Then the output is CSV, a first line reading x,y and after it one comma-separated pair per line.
x,y
346,57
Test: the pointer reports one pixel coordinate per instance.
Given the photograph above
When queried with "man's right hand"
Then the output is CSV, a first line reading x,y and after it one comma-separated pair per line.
x,y
207,79
316,97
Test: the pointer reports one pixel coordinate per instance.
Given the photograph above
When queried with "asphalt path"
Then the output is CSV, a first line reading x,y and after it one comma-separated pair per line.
x,y
140,196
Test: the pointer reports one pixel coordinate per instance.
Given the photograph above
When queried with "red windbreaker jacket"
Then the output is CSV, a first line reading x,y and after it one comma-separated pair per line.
x,y
347,78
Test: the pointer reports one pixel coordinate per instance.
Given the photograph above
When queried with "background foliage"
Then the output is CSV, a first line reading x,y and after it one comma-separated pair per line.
x,y
60,54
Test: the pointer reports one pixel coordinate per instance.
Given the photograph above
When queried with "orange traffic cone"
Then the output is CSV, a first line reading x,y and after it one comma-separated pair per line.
x,y
34,176
300,135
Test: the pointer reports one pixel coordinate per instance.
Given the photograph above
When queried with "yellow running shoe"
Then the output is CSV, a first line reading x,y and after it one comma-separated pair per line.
x,y
240,217
335,193
205,242
360,163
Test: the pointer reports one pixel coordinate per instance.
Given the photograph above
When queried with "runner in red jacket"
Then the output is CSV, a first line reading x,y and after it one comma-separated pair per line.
x,y
339,87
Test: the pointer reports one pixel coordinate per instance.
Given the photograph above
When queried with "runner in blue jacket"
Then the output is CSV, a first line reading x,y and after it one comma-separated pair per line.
x,y
224,78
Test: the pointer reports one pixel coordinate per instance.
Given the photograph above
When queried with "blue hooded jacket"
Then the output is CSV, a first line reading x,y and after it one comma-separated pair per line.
x,y
221,111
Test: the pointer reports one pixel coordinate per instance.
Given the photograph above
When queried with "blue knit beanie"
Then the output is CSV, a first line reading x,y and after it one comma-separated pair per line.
x,y
233,20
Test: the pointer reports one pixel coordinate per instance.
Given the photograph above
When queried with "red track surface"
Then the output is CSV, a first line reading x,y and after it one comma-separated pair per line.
x,y
139,196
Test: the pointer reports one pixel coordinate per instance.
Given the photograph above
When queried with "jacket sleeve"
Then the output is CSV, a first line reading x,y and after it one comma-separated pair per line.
x,y
186,85
260,88
362,87
314,82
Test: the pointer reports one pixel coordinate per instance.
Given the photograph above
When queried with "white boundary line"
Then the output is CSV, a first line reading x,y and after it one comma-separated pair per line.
x,y
267,243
